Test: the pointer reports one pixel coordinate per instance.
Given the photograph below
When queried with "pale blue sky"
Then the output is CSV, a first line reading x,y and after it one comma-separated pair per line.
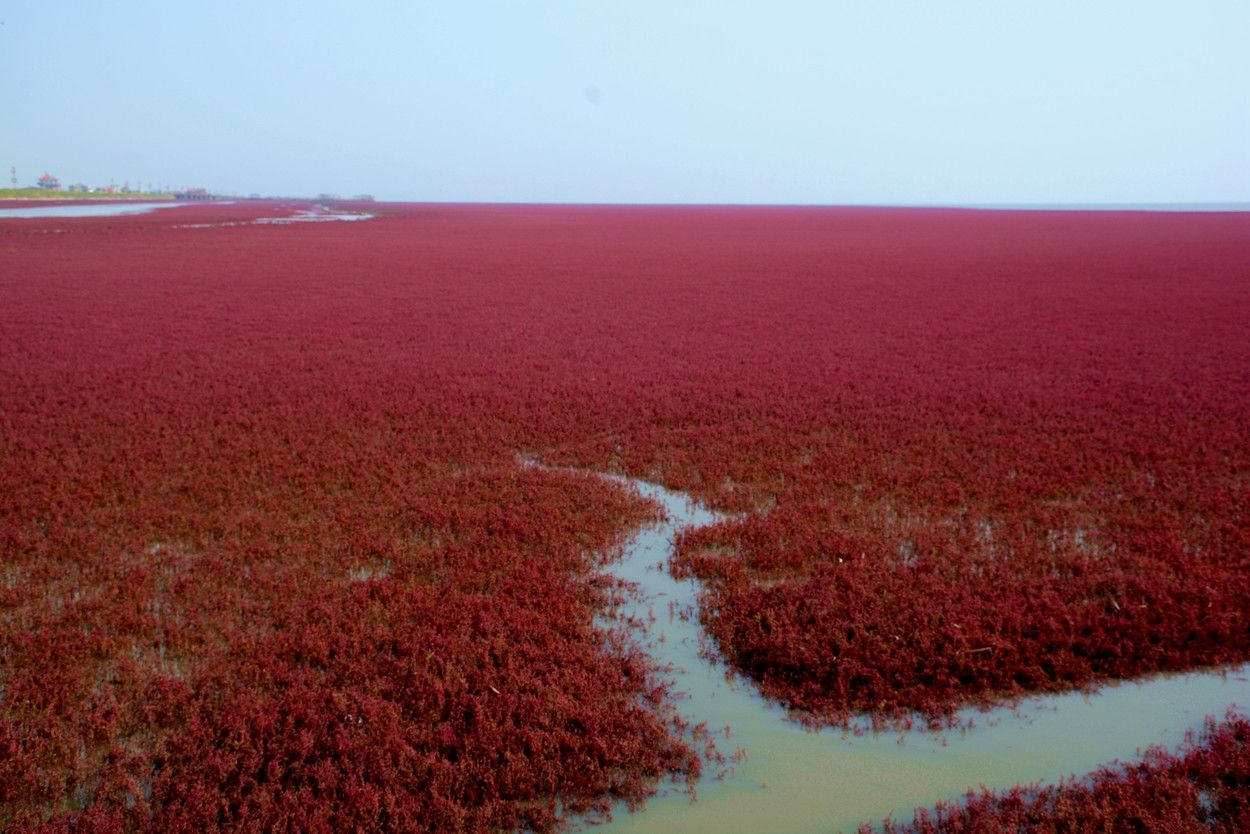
x,y
603,101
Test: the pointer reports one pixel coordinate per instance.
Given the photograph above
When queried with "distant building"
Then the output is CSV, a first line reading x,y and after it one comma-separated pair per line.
x,y
48,182
193,194
363,198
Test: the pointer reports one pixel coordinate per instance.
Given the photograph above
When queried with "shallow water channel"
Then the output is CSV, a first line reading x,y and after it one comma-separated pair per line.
x,y
797,780
86,210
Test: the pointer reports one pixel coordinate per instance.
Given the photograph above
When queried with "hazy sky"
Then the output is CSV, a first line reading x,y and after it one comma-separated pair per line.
x,y
932,101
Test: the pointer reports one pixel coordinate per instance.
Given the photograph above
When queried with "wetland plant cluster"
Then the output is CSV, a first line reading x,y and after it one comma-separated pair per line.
x,y
270,562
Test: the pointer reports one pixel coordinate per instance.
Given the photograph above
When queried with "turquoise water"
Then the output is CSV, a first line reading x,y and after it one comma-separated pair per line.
x,y
797,780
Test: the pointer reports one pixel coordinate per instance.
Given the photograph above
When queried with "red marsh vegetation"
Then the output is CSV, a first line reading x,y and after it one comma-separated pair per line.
x,y
269,561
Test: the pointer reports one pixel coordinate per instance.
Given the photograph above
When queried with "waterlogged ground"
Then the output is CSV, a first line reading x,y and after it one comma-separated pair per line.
x,y
796,780
316,214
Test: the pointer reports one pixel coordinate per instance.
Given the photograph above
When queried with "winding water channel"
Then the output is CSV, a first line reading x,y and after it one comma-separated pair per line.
x,y
797,780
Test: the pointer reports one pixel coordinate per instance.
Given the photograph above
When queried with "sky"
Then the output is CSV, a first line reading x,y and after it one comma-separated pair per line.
x,y
771,101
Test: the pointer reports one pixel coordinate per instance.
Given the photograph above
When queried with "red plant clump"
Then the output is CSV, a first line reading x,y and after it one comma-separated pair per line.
x,y
269,559
1203,788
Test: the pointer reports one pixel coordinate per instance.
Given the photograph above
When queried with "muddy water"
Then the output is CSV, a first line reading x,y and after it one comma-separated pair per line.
x,y
795,780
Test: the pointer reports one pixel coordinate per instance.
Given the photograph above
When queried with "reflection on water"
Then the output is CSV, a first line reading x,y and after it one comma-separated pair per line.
x,y
316,214
796,780
89,210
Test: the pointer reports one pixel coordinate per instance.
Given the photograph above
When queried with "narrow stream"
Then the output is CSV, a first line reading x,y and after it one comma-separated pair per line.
x,y
795,780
